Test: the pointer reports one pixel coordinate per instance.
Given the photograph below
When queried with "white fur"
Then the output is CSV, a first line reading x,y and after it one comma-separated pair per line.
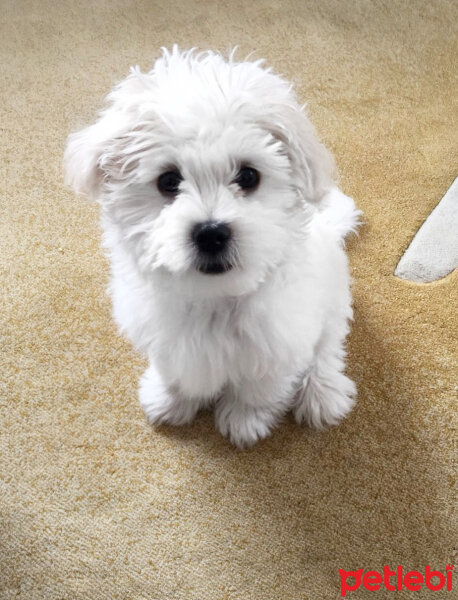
x,y
268,335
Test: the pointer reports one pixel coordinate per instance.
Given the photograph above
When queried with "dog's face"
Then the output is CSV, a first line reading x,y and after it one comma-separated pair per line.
x,y
206,169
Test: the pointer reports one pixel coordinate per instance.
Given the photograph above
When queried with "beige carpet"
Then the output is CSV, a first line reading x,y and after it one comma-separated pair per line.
x,y
94,504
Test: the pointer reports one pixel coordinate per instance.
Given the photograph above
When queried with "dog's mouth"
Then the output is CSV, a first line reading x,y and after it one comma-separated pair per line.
x,y
214,268
215,263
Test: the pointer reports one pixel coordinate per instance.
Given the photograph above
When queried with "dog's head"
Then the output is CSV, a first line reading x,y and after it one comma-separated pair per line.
x,y
207,169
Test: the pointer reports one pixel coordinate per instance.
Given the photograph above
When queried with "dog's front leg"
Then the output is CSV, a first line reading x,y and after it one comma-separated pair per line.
x,y
163,404
247,412
326,395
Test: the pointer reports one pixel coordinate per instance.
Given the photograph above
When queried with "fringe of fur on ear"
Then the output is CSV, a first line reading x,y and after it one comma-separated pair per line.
x,y
80,164
89,150
82,157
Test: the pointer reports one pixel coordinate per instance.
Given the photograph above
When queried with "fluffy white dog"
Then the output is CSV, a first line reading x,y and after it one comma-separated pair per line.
x,y
225,232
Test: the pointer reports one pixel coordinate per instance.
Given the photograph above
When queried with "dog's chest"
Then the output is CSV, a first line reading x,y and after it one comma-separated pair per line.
x,y
221,330
219,341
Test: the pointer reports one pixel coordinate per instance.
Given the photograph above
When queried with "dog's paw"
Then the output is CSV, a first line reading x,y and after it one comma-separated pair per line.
x,y
324,400
160,405
244,425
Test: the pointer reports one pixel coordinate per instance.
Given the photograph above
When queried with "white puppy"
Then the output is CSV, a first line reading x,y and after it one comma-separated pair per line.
x,y
225,232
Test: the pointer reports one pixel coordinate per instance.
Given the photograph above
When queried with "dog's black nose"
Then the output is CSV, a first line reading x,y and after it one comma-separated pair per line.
x,y
211,237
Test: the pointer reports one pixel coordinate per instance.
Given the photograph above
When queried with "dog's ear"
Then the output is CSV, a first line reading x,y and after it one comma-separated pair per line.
x,y
312,165
98,151
83,155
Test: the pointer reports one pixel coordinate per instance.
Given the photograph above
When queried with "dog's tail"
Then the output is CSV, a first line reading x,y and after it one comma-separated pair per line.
x,y
340,214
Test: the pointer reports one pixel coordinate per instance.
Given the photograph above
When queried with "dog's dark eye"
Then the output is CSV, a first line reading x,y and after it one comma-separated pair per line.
x,y
247,178
168,183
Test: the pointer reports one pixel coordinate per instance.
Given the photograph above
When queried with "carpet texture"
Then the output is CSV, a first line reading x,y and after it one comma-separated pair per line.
x,y
95,504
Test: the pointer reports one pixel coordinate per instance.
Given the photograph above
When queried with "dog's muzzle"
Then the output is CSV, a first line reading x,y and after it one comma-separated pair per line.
x,y
212,240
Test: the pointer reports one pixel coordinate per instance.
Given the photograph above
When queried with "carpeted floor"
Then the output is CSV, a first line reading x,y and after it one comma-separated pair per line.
x,y
96,505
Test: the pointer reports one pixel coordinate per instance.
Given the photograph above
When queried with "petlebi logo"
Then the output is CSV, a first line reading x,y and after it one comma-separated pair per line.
x,y
396,580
